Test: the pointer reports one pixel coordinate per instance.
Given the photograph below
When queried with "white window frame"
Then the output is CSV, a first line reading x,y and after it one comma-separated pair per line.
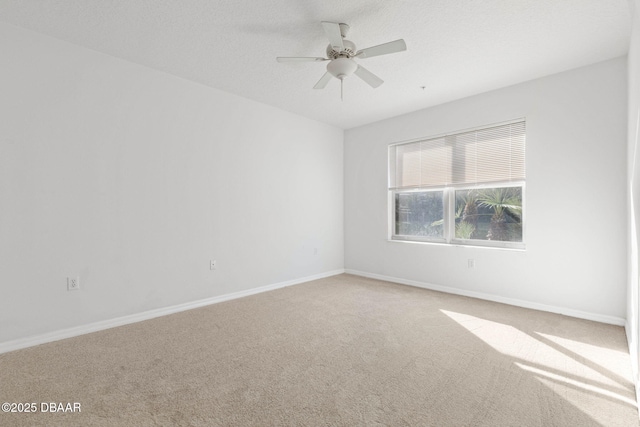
x,y
480,242
449,210
409,238
449,201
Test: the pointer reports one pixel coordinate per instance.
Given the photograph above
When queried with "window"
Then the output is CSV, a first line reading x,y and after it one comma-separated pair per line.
x,y
463,188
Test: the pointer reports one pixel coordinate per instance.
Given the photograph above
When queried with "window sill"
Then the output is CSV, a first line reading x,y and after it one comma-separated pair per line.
x,y
460,245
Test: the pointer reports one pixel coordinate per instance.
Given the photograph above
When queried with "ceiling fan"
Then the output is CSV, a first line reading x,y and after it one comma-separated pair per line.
x,y
341,53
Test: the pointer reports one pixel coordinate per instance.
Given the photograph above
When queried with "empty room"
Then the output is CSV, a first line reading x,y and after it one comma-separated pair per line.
x,y
319,213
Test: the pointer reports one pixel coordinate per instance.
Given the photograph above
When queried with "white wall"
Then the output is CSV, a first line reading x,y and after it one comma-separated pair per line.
x,y
633,178
134,179
575,256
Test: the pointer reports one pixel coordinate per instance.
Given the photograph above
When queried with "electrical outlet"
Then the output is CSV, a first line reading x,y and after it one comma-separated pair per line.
x,y
73,283
213,264
471,263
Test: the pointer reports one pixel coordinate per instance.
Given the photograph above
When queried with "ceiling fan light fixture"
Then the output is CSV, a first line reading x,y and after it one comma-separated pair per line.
x,y
341,67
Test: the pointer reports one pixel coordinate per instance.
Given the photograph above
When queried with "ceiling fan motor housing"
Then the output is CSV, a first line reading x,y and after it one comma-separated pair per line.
x,y
348,51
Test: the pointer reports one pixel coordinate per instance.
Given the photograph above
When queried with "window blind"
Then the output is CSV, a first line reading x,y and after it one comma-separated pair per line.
x,y
491,154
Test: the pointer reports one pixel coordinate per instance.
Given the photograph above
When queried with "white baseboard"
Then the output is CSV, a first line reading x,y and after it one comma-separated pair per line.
x,y
612,320
146,315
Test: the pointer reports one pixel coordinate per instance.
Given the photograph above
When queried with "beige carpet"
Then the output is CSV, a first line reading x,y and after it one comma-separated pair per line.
x,y
342,351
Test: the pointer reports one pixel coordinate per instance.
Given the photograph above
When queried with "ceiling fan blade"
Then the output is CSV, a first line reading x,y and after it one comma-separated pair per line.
x,y
299,59
369,78
322,83
383,49
332,30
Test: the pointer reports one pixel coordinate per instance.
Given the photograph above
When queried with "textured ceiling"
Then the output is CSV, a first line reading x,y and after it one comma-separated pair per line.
x,y
455,48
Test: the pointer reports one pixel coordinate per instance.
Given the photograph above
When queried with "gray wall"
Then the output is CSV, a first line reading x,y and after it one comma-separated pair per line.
x,y
575,257
133,179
